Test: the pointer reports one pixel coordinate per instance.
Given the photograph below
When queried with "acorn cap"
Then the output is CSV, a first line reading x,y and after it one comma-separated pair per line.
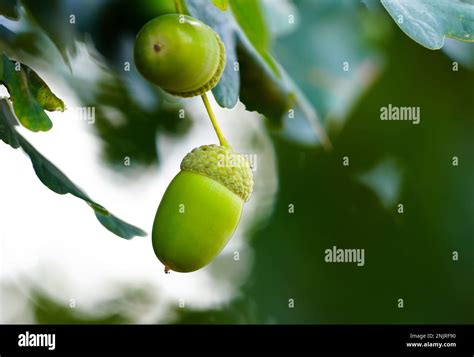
x,y
223,165
212,82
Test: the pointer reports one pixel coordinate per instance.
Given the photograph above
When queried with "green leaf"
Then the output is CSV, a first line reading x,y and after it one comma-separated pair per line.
x,y
249,16
118,226
9,9
30,95
428,22
57,181
221,4
42,93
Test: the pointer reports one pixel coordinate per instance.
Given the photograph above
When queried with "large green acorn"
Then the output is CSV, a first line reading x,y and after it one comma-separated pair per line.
x,y
181,54
201,208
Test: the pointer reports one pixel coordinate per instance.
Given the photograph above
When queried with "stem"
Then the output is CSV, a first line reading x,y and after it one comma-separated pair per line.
x,y
218,131
179,6
222,140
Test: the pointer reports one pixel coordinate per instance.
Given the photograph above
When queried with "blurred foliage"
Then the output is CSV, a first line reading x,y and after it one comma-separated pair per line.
x,y
59,28
55,180
9,8
129,131
48,310
408,255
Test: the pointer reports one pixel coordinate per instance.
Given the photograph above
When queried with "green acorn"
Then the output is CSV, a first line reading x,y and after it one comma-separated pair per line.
x,y
179,53
201,208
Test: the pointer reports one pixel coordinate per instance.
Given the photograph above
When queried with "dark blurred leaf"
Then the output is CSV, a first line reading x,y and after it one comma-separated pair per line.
x,y
110,34
48,311
7,130
428,22
14,43
257,77
53,18
462,52
127,129
155,8
55,180
9,8
30,95
239,311
6,36
115,310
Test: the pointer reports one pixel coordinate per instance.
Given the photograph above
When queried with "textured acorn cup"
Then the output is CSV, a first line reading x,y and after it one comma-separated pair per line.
x,y
182,55
201,208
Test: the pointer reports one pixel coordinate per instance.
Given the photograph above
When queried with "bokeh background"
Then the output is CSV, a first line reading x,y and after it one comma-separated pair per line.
x,y
58,265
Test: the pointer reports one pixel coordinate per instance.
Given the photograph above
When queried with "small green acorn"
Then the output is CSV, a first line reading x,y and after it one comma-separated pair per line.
x,y
179,53
201,208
